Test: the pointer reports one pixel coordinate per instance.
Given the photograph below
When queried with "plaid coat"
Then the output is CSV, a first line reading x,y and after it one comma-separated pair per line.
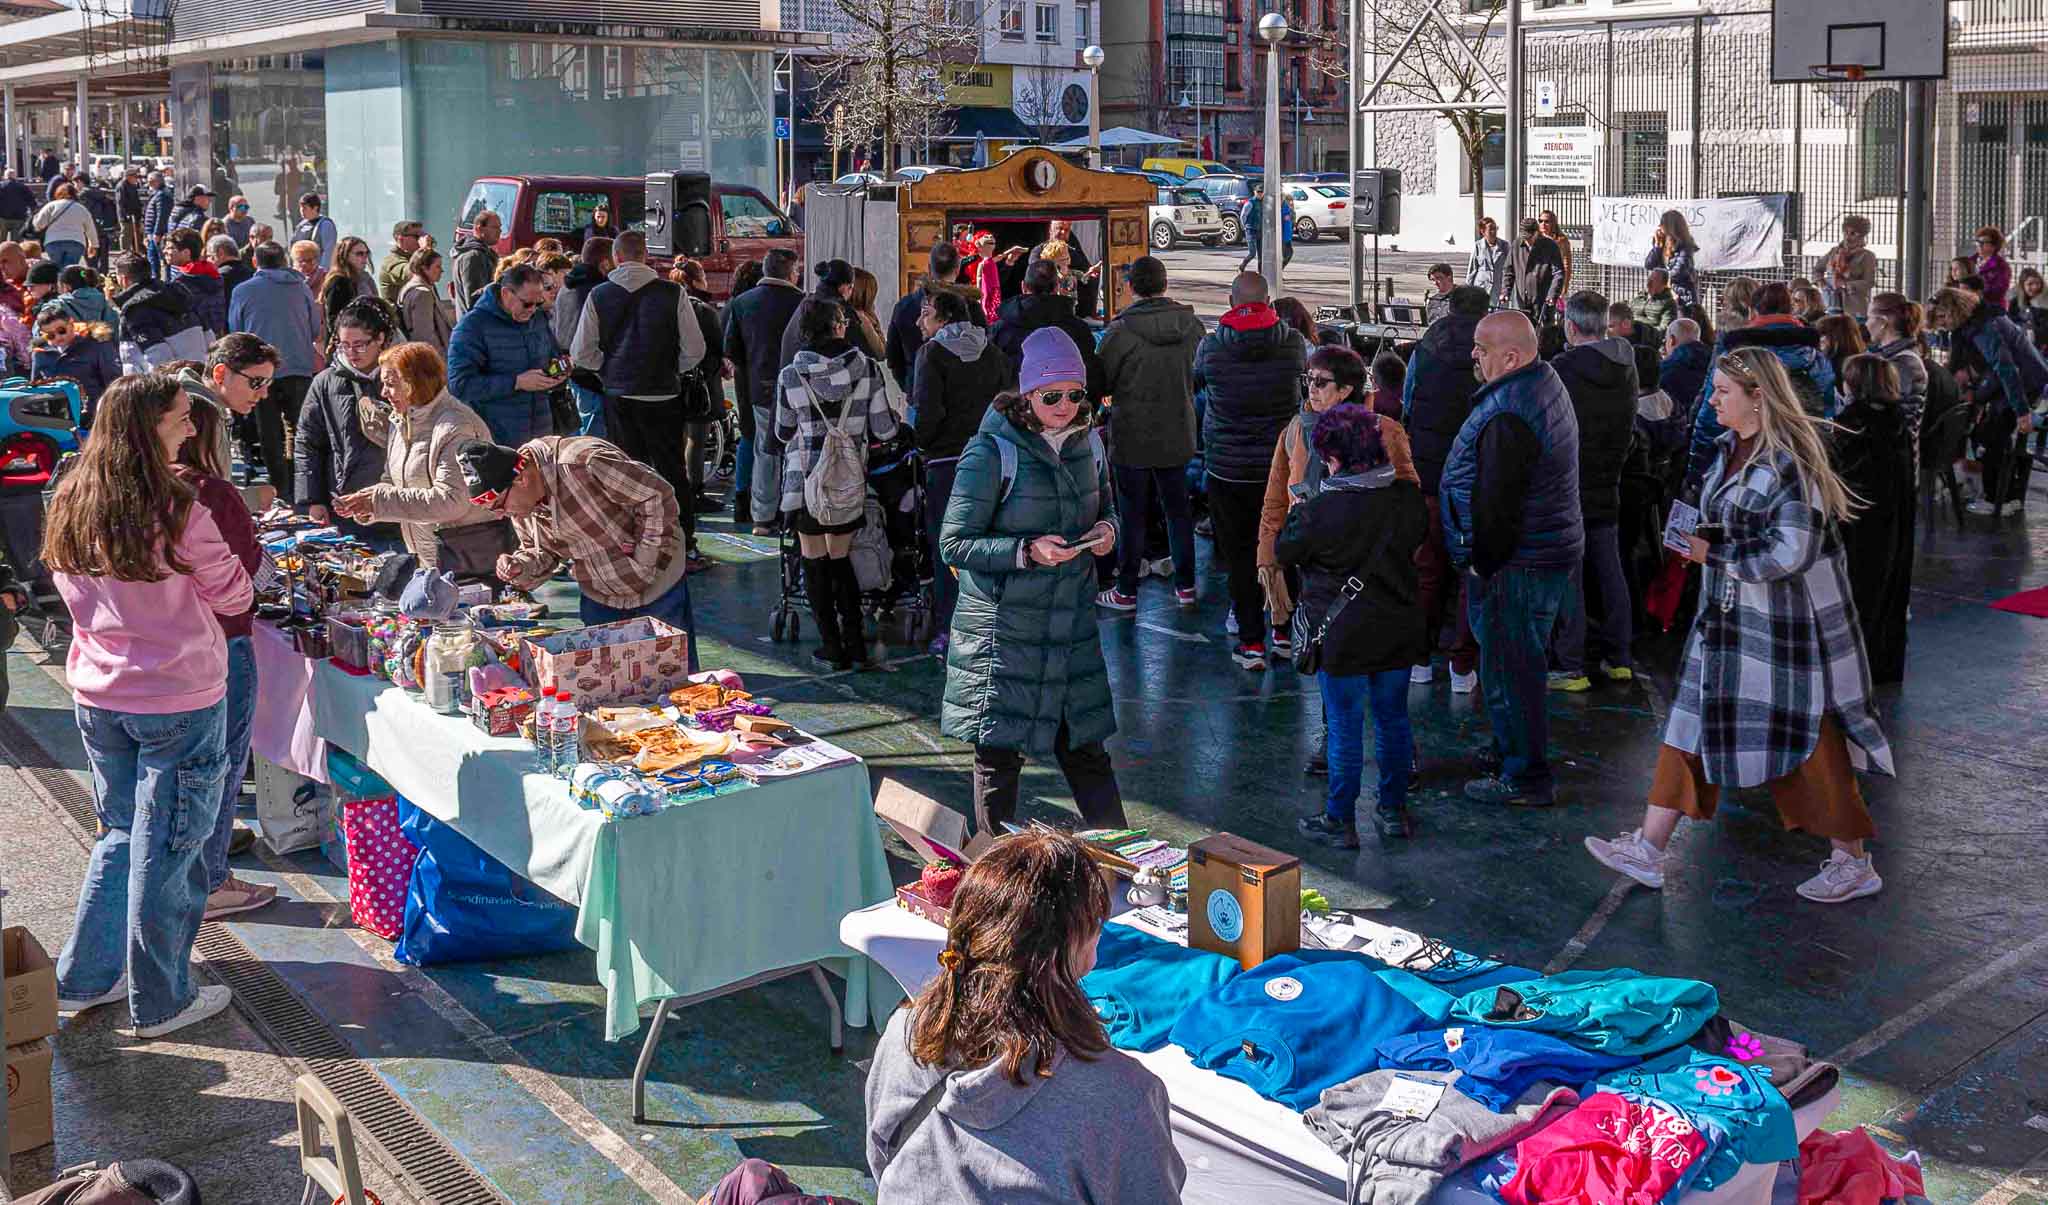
x,y
1775,646
816,391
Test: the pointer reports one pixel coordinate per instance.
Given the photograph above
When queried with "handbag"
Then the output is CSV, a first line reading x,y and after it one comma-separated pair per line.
x,y
473,549
693,400
1308,653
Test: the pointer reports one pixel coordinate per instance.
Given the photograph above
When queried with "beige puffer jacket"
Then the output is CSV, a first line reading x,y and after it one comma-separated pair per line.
x,y
423,488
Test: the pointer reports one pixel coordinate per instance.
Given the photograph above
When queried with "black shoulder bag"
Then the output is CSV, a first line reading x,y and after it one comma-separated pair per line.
x,y
1308,649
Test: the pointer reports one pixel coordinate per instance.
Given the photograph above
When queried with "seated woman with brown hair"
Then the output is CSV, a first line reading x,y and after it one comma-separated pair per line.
x,y
998,1083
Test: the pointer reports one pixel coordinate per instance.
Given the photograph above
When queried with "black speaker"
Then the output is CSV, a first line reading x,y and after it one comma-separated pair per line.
x,y
678,214
1376,200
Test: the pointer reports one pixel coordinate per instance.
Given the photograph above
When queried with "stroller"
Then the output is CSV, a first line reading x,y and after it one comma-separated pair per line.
x,y
891,557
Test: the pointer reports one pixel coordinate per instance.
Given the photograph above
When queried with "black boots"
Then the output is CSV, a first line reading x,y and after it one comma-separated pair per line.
x,y
821,585
852,625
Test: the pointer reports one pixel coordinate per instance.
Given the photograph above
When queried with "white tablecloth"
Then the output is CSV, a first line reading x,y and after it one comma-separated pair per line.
x,y
1240,1148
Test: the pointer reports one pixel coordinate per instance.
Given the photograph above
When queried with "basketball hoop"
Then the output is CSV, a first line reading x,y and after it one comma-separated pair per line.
x,y
1846,72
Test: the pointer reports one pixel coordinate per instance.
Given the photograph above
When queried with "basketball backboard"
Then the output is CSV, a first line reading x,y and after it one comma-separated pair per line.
x,y
1818,40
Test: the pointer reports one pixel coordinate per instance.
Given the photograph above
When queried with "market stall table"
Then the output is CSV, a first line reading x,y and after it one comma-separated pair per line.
x,y
699,900
1239,1146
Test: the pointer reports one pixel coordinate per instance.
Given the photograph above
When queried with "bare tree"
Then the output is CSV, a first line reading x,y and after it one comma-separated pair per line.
x,y
1038,98
1438,52
884,73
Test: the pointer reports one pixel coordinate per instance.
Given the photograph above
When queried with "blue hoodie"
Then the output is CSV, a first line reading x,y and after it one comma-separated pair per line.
x,y
488,350
1141,984
1618,1012
1499,1064
1735,1103
276,306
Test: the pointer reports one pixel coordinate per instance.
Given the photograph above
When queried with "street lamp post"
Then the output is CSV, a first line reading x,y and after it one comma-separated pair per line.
x,y
1092,58
1273,31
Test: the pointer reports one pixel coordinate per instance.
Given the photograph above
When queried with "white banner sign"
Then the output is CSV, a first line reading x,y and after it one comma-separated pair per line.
x,y
1562,156
1740,232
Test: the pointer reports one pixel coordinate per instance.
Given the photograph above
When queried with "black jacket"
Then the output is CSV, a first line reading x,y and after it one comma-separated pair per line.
x,y
1248,381
152,312
1601,379
17,200
100,203
128,200
187,216
754,322
232,273
333,455
1683,373
1539,274
1148,367
1437,394
904,338
1369,525
1028,312
206,293
956,376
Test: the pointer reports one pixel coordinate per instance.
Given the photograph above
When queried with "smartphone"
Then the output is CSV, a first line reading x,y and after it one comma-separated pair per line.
x,y
1096,542
1712,533
559,366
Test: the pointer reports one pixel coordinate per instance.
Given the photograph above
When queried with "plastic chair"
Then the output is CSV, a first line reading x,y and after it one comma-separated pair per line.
x,y
1941,442
341,1177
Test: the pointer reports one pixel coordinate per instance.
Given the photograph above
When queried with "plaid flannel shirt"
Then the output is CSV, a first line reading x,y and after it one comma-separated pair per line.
x,y
613,518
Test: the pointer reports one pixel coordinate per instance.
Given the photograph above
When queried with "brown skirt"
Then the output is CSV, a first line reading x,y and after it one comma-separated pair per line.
x,y
1820,797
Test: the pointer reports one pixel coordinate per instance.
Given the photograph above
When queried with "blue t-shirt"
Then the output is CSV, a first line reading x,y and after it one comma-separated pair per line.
x,y
1733,1102
1618,1011
1499,1064
1298,1023
1141,984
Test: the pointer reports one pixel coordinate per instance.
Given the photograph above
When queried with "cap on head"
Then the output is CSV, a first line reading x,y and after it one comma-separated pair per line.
x,y
488,470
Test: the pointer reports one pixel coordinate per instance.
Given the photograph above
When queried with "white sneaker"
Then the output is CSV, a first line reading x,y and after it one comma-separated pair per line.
x,y
1464,684
1980,507
1841,879
1230,623
1114,600
1422,675
114,995
1162,567
1632,855
206,1003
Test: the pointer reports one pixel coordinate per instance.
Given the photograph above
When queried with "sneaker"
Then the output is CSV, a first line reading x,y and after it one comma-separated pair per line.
x,y
1617,673
237,896
1162,567
1497,790
1464,684
1334,833
1422,675
113,995
1249,656
940,643
206,1002
1230,622
1981,507
1116,600
1630,854
1185,598
1571,684
1395,824
1841,879
1281,646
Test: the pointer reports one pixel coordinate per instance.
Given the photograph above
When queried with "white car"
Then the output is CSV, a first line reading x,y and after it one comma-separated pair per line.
x,y
1319,208
914,172
1185,213
860,178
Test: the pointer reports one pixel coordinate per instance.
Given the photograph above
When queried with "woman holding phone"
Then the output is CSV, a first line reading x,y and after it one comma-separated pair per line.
x,y
1031,509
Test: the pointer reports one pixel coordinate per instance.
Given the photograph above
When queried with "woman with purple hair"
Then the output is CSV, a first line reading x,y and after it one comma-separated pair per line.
x,y
1359,618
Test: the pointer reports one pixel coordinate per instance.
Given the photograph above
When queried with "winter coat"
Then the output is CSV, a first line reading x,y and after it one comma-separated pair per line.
x,y
1248,374
1797,347
576,288
1539,275
754,322
156,213
1029,312
488,350
816,391
1774,647
201,283
424,315
1857,281
2005,365
475,263
1437,393
392,274
1367,525
1291,467
87,306
232,274
1601,379
956,376
187,216
1552,530
152,312
18,201
1490,266
1871,448
1148,369
423,488
342,286
905,337
1683,373
1678,269
276,306
342,435
856,332
1996,273
1026,655
93,363
1658,311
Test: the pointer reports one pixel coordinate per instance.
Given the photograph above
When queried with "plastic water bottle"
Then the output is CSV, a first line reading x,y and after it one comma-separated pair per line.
x,y
544,732
568,749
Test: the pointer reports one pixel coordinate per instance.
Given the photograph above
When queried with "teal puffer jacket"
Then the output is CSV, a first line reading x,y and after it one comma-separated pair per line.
x,y
1025,651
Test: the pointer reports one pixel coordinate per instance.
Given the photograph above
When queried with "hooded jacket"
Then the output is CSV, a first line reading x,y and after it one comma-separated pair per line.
x,y
1683,373
1369,524
1248,375
152,312
342,433
203,288
905,337
989,1141
489,349
91,362
1601,378
1437,393
276,306
640,332
956,376
89,305
1028,312
1148,368
1797,347
576,288
474,265
818,388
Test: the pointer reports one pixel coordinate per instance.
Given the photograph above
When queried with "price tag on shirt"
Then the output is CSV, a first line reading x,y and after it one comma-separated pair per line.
x,y
1415,1099
1679,527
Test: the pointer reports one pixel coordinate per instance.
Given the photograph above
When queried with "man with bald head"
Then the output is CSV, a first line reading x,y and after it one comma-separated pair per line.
x,y
1510,496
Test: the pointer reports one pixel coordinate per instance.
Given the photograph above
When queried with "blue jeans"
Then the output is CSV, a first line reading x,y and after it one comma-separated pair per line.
x,y
241,709
743,472
64,252
589,411
156,788
1135,489
765,471
1512,615
1345,699
1613,633
672,608
517,419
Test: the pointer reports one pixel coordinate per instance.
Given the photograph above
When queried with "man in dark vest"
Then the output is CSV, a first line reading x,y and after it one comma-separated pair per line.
x,y
1510,496
637,337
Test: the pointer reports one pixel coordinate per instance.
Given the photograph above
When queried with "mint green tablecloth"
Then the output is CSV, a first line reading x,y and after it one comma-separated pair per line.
x,y
687,901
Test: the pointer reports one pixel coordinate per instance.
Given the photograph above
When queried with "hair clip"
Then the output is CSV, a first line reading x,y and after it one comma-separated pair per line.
x,y
951,959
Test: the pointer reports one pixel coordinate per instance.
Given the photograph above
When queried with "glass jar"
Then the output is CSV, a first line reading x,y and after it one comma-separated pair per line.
x,y
446,681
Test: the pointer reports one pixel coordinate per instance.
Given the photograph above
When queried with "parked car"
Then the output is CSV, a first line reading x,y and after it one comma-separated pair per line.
x,y
1319,208
1316,178
1187,169
1160,178
1228,194
1185,213
918,171
749,224
860,178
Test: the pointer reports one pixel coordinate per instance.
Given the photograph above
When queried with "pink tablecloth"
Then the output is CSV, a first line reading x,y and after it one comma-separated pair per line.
x,y
283,727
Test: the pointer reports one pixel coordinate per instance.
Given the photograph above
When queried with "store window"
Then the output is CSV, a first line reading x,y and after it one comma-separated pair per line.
x,y
270,131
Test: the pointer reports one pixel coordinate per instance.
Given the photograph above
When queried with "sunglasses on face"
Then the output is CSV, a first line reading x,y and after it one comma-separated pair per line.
x,y
255,384
1318,380
56,332
1053,397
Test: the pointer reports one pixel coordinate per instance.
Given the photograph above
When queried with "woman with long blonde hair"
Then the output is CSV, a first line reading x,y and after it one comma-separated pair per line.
x,y
1776,685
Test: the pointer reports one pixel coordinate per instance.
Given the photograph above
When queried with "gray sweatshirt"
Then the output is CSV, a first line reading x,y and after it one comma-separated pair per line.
x,y
1096,1131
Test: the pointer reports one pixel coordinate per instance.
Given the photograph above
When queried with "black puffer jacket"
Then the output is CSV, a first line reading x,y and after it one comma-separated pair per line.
x,y
1437,394
333,455
152,312
1601,379
954,379
1248,379
1148,366
1369,524
1033,311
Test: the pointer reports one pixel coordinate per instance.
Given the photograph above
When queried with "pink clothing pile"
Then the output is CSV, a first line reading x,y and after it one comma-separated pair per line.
x,y
1852,1169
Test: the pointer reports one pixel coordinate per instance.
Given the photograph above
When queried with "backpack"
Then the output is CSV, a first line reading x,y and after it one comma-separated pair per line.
x,y
1006,461
836,487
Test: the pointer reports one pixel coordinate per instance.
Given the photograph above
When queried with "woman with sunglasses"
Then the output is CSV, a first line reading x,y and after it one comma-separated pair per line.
x,y
1024,668
1552,229
70,348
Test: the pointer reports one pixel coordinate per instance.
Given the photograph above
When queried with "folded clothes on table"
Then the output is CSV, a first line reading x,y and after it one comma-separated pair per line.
x,y
1141,984
1618,1011
1395,1158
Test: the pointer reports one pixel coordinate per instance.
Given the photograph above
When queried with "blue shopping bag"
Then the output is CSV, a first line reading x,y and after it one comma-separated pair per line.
x,y
465,906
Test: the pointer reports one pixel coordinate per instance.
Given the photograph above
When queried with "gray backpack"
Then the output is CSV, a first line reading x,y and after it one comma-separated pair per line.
x,y
836,487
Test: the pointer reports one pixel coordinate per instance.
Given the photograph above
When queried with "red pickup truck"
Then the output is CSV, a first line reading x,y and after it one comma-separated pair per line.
x,y
535,207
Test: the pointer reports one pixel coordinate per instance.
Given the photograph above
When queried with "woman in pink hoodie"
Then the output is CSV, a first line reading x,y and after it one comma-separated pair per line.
x,y
144,570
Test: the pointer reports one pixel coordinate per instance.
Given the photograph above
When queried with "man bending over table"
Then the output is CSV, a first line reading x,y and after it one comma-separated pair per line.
x,y
579,499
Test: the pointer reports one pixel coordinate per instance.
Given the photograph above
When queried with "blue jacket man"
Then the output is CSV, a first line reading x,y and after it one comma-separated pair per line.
x,y
1512,520
498,358
276,306
1797,347
1683,371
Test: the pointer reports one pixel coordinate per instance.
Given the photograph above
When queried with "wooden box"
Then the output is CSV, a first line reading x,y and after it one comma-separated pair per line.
x,y
1244,900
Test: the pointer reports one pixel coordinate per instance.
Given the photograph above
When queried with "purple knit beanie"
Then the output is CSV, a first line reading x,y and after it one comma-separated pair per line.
x,y
1049,356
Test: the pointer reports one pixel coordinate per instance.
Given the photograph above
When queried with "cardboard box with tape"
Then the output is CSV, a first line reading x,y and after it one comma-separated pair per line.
x,y
30,1004
1244,900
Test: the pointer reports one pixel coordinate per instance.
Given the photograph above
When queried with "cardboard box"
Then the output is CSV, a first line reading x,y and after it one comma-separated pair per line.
x,y
31,992
629,661
1244,900
939,834
30,1121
